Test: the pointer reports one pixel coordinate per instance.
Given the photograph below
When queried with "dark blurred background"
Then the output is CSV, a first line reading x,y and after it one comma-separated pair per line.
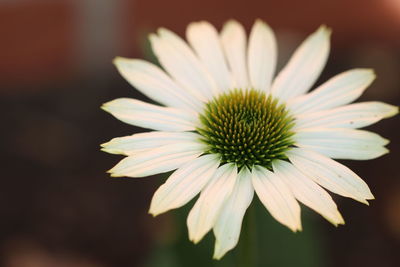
x,y
59,208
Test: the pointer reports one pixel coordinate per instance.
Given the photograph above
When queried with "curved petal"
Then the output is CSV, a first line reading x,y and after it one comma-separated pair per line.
x,y
182,64
184,184
155,84
206,210
229,222
341,143
308,192
204,39
350,116
262,55
330,174
233,38
340,90
277,198
142,114
133,144
158,160
304,67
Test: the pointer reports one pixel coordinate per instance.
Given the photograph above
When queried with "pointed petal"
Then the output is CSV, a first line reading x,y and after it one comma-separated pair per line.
x,y
350,116
341,143
308,192
277,198
142,114
337,91
262,55
133,144
182,64
330,174
204,39
206,210
158,160
233,38
304,67
155,84
229,222
184,184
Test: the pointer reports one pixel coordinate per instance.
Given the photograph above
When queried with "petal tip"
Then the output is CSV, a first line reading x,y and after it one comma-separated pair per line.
x,y
152,38
117,60
263,26
153,212
113,151
339,221
372,73
104,144
199,23
155,207
323,29
231,23
369,73
385,150
393,110
104,149
217,256
298,227
106,107
219,252
194,240
113,173
163,32
260,22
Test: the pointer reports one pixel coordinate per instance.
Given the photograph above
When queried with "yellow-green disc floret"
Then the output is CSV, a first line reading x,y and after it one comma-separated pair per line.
x,y
246,128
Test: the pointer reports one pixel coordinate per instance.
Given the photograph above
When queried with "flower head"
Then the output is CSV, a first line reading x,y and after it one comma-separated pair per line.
x,y
228,128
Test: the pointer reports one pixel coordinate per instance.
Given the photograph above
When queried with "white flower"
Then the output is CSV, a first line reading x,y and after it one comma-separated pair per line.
x,y
229,129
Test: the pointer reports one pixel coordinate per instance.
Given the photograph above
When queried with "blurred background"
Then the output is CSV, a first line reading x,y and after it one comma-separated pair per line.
x,y
59,208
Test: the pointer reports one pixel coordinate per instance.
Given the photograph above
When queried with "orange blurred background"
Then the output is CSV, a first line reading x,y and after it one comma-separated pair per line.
x,y
57,204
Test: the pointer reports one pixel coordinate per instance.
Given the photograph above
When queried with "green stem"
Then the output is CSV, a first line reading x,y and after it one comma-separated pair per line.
x,y
248,253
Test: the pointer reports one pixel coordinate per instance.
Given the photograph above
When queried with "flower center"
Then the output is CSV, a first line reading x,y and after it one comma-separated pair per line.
x,y
246,128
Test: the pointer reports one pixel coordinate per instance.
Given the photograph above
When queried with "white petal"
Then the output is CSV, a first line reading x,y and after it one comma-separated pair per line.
x,y
330,174
350,116
204,39
308,192
341,143
158,160
155,84
133,144
205,212
233,38
337,91
229,222
182,64
304,67
262,54
277,197
150,116
184,184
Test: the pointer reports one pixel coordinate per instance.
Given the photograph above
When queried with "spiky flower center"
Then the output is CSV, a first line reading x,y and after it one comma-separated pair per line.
x,y
246,128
